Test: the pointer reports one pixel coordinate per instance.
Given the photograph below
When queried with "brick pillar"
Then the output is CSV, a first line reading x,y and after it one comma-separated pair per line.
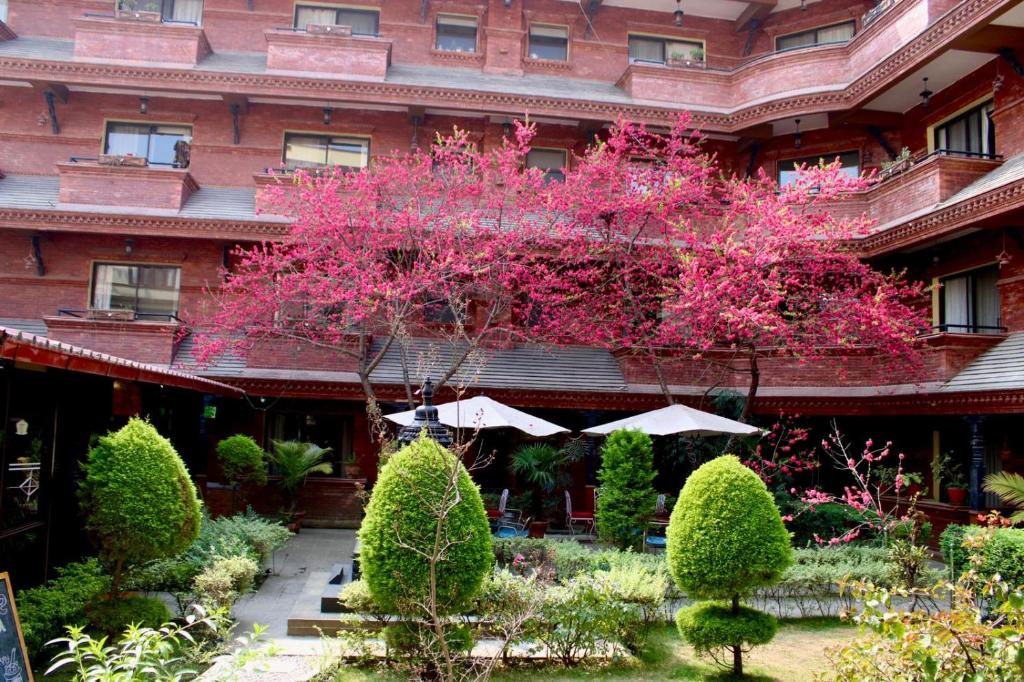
x,y
503,38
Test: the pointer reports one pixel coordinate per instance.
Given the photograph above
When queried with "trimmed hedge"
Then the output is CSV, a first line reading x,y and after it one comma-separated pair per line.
x,y
725,536
45,610
111,618
400,512
1003,553
628,496
709,626
242,459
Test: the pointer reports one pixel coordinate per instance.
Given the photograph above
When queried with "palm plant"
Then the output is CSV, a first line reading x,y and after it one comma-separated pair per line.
x,y
539,465
294,461
1010,489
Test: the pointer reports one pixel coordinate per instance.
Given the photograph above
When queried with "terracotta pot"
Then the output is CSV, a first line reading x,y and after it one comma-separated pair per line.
x,y
537,529
957,496
295,524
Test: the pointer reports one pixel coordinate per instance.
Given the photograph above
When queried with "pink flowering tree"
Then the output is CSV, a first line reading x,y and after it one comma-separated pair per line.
x,y
675,262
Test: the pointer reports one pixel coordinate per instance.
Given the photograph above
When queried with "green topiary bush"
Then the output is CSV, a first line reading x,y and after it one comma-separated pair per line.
x,y
1004,555
403,510
709,626
111,618
242,459
628,496
45,610
138,498
725,539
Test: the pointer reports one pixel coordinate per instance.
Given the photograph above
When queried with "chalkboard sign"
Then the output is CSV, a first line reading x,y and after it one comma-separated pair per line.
x,y
13,657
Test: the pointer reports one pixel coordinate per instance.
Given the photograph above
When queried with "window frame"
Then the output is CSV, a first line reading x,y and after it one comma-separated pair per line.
x,y
105,142
4,9
166,11
987,134
815,30
136,264
329,136
972,326
548,173
529,40
787,164
375,11
463,17
664,40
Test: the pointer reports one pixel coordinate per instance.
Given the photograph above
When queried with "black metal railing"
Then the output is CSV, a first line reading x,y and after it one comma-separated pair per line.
x,y
302,29
880,8
116,314
970,328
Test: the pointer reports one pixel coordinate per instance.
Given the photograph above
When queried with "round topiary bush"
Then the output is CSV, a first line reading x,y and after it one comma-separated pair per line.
x,y
137,496
242,459
412,501
627,491
725,535
726,538
112,618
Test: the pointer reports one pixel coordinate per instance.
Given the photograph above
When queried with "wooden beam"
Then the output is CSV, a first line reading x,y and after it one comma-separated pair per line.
x,y
990,38
756,10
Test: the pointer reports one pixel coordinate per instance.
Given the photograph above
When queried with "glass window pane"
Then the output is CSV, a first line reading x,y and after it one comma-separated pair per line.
x,y
551,161
849,165
683,49
349,152
794,41
114,287
3,10
646,50
987,298
305,151
185,11
162,142
839,33
456,34
956,304
549,42
127,139
158,290
363,22
318,16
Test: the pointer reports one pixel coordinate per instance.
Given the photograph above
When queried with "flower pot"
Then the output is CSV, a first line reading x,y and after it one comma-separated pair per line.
x,y
957,496
295,523
537,529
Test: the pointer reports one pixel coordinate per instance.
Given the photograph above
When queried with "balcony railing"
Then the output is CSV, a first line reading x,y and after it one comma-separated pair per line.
x,y
970,328
880,8
116,314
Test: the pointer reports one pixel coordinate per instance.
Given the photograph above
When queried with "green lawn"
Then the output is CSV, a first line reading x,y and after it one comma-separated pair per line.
x,y
796,653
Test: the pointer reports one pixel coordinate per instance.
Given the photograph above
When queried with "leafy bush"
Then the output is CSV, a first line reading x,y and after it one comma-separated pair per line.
x,y
221,583
627,491
112,617
161,575
708,626
1003,555
725,538
951,545
245,534
827,520
574,620
510,602
639,592
45,610
138,497
410,502
242,459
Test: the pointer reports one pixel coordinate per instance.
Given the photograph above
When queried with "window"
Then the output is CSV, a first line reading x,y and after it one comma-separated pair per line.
x,y
319,151
971,132
969,302
824,35
3,10
456,34
849,165
149,290
653,50
364,22
549,42
161,145
176,11
551,161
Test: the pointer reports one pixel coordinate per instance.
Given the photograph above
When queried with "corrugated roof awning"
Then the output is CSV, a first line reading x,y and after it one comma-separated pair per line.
x,y
21,346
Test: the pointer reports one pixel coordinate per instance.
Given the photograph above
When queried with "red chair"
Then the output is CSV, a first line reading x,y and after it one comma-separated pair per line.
x,y
574,519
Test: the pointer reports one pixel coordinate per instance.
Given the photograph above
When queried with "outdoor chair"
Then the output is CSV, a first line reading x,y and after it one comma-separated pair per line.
x,y
508,528
583,521
660,510
654,535
503,511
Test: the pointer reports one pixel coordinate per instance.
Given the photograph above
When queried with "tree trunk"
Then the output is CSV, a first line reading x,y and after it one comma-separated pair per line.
x,y
755,381
115,579
737,649
658,372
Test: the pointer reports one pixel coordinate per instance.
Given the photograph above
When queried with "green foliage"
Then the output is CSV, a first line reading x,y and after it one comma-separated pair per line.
x,y
951,545
726,536
294,461
424,496
162,575
242,459
1003,555
1010,489
639,594
138,497
356,597
112,617
627,492
245,534
709,626
574,620
223,581
45,610
540,466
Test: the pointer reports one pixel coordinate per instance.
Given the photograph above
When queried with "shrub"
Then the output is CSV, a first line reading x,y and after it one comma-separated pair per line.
x,y
161,575
242,459
221,583
111,618
827,520
138,498
245,534
951,544
510,602
45,610
411,502
726,538
709,627
627,492
639,594
573,621
1003,555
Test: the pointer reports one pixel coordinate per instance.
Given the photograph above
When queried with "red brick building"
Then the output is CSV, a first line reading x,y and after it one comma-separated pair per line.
x,y
135,142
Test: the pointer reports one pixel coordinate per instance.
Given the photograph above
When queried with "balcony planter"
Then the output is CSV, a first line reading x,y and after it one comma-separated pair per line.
x,y
957,496
137,15
123,160
334,30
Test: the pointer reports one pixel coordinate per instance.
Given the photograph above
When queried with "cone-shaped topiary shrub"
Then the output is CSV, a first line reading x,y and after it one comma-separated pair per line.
x,y
725,538
421,487
242,459
627,491
138,498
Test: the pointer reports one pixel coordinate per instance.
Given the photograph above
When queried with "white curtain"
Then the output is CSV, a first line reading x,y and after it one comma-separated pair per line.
x,y
646,50
319,16
835,34
956,296
102,286
987,297
3,10
190,11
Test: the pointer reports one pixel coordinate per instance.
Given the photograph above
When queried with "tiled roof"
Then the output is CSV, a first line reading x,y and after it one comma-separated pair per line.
x,y
573,368
226,365
1000,368
32,326
52,49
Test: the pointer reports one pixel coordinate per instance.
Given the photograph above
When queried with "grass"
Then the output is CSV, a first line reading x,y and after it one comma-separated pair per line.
x,y
796,653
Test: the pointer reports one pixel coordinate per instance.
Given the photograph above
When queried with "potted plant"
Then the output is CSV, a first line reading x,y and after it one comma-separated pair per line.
x,y
676,59
947,468
912,483
539,465
294,461
697,56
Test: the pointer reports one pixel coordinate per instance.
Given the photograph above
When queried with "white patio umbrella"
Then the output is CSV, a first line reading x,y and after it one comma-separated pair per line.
x,y
676,419
480,412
